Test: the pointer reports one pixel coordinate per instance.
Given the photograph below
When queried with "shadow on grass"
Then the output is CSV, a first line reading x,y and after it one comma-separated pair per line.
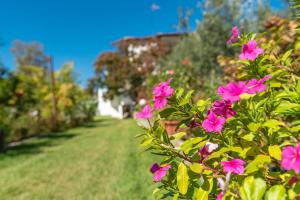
x,y
40,143
37,145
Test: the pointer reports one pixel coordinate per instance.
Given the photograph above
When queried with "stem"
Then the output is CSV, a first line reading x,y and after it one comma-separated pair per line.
x,y
189,160
150,125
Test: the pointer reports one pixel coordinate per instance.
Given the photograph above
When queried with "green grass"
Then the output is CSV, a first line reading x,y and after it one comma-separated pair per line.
x,y
100,161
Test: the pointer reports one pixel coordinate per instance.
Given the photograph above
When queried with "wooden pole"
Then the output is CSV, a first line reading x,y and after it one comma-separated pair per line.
x,y
2,140
54,97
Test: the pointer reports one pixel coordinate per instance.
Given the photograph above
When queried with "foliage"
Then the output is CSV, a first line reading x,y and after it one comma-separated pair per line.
x,y
126,70
280,36
26,97
250,156
203,46
29,54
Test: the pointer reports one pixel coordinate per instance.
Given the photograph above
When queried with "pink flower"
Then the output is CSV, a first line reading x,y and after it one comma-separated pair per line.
x,y
145,113
161,92
293,180
232,91
235,166
159,171
220,196
250,51
206,150
223,108
160,102
185,61
194,124
234,35
170,72
291,158
255,86
213,123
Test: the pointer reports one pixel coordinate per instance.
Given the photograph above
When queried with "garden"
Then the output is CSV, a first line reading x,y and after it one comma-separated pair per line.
x,y
211,111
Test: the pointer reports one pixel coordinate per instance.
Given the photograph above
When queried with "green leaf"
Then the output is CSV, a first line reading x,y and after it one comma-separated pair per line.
x,y
248,137
286,55
175,197
167,112
182,178
286,107
178,135
201,104
275,152
179,92
276,192
253,188
146,142
246,96
219,153
275,84
295,128
188,144
197,168
258,162
273,124
202,194
253,127
187,98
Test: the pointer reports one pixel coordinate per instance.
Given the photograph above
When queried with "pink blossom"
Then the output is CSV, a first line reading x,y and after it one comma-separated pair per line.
x,y
291,158
255,86
213,123
220,196
161,92
170,72
235,166
250,51
145,113
210,147
234,35
293,180
160,102
159,172
206,150
223,108
154,168
194,124
232,91
185,61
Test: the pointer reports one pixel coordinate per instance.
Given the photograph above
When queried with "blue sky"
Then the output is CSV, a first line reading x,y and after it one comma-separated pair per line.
x,y
79,30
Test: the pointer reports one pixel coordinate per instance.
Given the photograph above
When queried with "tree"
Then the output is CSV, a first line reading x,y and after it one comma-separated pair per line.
x,y
30,54
203,46
126,70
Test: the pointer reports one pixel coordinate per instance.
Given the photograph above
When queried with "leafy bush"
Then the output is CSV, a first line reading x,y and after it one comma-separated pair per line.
x,y
26,101
245,145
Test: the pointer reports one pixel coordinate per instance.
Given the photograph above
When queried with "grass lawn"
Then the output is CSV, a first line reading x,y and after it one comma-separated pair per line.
x,y
100,161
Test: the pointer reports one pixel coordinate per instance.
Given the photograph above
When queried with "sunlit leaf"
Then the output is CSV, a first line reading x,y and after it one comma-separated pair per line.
x,y
182,178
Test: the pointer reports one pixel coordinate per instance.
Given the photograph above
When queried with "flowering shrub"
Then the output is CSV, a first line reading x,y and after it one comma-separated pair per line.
x,y
246,145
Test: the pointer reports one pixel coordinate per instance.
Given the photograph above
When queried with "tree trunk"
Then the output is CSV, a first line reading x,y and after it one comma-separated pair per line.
x,y
2,141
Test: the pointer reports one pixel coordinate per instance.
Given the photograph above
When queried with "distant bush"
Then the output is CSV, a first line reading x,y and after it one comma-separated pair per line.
x,y
26,101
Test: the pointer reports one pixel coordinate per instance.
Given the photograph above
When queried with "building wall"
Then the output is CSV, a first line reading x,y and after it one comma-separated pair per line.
x,y
107,107
113,108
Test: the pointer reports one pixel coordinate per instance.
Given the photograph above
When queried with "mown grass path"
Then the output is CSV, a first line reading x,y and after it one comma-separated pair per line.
x,y
100,161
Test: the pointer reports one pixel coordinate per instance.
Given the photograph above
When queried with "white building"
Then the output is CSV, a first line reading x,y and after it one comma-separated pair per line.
x,y
120,107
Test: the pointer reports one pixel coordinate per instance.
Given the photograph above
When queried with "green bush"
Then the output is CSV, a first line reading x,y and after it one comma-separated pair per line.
x,y
243,146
